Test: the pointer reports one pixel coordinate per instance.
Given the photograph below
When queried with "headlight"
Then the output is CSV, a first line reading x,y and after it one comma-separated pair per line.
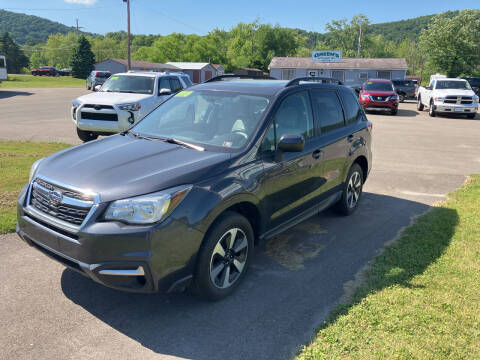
x,y
130,107
75,103
439,99
34,168
146,209
475,98
394,97
365,97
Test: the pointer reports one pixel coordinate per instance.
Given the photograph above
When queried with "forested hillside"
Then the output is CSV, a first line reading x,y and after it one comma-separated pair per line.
x,y
29,29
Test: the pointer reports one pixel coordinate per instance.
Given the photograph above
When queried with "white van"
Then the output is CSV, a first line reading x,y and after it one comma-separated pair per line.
x,y
3,68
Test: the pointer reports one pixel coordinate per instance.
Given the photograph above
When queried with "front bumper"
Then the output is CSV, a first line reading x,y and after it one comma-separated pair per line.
x,y
124,119
369,104
130,258
456,108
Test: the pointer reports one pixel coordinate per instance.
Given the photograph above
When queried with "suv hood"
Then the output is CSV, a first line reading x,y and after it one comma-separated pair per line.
x,y
122,166
379,93
111,98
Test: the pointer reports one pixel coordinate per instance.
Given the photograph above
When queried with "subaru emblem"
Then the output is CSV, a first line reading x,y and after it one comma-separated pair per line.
x,y
55,197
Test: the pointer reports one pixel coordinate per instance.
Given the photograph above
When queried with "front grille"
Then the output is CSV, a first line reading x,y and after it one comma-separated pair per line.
x,y
379,98
67,209
452,99
99,116
98,107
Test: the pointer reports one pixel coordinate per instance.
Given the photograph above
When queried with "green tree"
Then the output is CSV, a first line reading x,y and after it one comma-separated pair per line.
x,y
452,44
16,59
83,59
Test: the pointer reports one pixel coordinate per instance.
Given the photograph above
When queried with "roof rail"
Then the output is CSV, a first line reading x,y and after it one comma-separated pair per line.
x,y
323,80
235,77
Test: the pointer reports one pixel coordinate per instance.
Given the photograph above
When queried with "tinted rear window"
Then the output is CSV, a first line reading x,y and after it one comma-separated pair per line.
x,y
402,82
328,110
103,74
352,107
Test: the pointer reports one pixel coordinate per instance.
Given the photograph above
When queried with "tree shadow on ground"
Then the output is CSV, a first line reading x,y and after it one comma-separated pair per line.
x,y
276,309
4,94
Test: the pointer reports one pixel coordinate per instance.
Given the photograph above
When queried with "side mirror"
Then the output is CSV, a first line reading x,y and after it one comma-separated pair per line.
x,y
97,87
291,143
165,91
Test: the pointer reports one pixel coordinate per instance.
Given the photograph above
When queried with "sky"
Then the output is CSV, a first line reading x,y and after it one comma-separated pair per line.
x,y
199,17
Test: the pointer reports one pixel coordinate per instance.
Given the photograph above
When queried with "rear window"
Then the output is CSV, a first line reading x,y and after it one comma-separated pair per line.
x,y
352,107
103,74
402,82
328,110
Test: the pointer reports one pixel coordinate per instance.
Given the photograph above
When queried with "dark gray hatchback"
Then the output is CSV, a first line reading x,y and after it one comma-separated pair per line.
x,y
183,197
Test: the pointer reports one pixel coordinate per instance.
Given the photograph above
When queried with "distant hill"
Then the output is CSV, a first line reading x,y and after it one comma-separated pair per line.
x,y
394,31
28,28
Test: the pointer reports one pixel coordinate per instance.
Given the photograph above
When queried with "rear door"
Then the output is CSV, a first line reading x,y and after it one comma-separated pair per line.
x,y
291,185
334,138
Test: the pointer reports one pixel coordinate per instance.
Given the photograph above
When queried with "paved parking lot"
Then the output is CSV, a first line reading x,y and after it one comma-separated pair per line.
x,y
295,280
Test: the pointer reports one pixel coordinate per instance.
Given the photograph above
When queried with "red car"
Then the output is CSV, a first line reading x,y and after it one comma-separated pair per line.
x,y
379,94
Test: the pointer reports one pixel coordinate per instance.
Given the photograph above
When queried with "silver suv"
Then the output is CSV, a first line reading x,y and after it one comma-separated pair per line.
x,y
123,100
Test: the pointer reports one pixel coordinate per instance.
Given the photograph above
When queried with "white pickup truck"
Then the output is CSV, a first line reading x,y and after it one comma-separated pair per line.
x,y
448,95
123,100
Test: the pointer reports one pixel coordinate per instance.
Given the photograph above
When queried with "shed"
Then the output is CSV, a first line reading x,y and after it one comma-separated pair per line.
x,y
220,69
248,72
198,72
120,65
351,71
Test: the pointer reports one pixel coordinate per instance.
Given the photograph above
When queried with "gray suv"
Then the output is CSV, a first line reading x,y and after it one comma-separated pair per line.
x,y
97,78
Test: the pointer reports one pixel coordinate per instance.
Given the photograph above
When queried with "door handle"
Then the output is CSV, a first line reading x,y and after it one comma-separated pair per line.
x,y
350,138
316,154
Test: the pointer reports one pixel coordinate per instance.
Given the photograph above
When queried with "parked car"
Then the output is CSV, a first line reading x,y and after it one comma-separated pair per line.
x,y
184,197
379,94
46,71
65,72
405,89
445,95
3,68
474,83
97,78
122,101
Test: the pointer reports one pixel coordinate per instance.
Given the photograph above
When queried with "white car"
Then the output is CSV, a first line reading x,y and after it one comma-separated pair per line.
x,y
3,68
447,95
123,100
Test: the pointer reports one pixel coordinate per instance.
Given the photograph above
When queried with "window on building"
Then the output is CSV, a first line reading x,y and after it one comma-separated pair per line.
x,y
288,74
363,76
328,110
384,74
339,75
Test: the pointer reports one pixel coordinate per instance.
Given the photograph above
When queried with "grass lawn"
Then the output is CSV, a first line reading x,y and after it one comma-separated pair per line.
x,y
420,298
16,158
29,81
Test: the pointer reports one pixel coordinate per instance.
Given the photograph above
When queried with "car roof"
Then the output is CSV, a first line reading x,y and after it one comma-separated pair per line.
x,y
151,73
380,80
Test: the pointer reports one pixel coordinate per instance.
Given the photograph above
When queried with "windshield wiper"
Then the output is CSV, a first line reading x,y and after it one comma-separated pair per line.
x,y
183,143
140,136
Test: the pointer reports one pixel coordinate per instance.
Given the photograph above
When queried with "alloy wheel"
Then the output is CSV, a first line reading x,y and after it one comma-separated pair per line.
x,y
228,258
354,189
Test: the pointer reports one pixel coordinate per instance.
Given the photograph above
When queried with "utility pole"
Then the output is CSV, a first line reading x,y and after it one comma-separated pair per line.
x,y
128,33
359,48
78,27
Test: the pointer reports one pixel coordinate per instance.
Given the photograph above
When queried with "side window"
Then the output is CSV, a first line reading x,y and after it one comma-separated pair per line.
x,y
176,86
268,143
294,116
164,83
352,107
187,80
328,110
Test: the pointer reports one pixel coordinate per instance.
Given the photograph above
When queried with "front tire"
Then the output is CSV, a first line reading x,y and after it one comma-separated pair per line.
x,y
352,191
394,111
431,109
471,116
86,136
401,98
224,257
419,104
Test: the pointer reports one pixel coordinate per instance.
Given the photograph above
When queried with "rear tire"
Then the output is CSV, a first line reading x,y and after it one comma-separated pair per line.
x,y
222,263
431,109
401,98
419,104
86,136
352,191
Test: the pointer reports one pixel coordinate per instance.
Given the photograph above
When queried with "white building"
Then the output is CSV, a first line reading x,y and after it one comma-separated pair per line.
x,y
351,71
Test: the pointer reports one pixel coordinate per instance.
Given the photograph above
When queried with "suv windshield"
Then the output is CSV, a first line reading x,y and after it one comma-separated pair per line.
x,y
379,86
129,84
225,120
462,85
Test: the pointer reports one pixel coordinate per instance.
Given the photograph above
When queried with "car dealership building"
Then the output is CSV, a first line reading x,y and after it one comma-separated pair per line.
x,y
351,71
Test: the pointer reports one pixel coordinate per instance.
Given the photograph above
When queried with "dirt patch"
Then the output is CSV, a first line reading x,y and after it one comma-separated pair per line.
x,y
8,199
292,248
